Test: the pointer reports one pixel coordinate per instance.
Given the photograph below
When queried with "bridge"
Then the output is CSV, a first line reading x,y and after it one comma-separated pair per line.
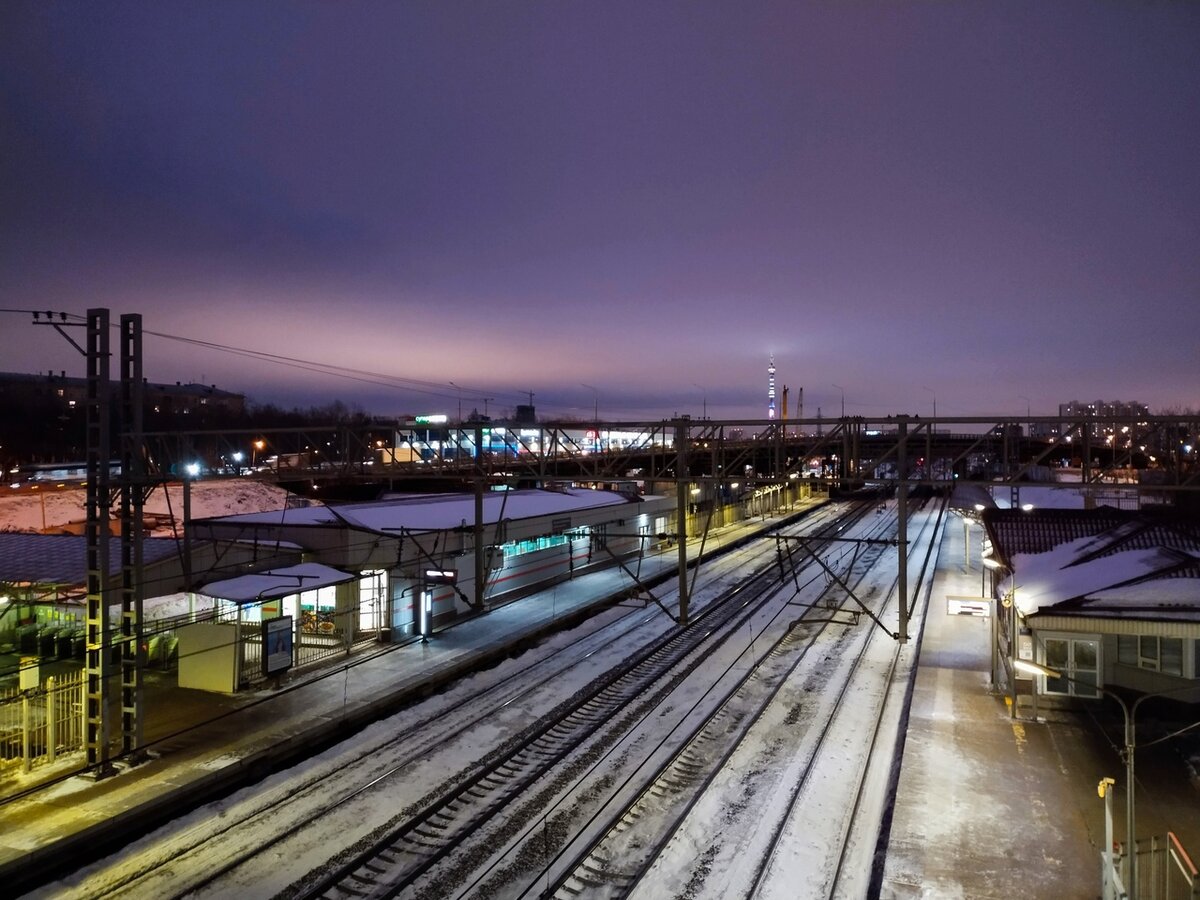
x,y
1155,452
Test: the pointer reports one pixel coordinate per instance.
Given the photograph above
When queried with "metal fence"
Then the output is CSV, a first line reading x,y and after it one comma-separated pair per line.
x,y
37,725
1165,871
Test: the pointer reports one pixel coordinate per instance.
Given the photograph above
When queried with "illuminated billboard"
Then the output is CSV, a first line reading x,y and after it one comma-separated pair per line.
x,y
277,645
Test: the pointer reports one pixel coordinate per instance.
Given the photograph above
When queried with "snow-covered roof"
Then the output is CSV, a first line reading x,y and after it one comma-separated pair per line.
x,y
437,512
275,583
62,558
1118,564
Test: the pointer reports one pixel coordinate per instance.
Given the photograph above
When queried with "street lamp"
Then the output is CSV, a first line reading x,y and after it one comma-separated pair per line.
x,y
704,396
595,401
255,448
1010,601
595,416
1130,713
843,390
1028,415
459,389
932,391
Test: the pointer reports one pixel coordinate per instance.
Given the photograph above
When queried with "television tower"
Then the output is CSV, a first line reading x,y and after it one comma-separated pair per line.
x,y
771,387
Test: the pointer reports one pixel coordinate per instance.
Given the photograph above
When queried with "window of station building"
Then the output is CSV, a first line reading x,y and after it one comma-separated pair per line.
x,y
516,548
316,609
1076,658
1157,654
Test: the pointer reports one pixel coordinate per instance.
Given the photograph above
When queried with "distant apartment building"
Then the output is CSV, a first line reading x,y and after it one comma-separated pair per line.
x,y
166,399
1110,421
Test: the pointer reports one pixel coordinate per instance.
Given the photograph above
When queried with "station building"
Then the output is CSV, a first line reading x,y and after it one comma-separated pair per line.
x,y
399,567
335,578
1107,598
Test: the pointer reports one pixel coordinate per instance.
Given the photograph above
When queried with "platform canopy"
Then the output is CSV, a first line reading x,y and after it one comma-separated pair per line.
x,y
275,583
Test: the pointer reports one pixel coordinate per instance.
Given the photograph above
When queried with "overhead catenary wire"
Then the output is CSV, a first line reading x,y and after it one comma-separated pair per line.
x,y
417,385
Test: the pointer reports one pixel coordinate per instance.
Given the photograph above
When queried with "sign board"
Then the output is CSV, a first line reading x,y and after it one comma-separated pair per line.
x,y
1025,647
276,646
30,673
968,606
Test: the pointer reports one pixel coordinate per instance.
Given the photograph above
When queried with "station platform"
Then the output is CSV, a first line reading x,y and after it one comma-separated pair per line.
x,y
985,806
989,804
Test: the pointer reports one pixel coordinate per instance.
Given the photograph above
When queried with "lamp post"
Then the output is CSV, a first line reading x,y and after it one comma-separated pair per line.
x,y
595,416
1009,600
595,401
1034,668
704,401
843,390
459,389
983,550
1130,714
1028,415
932,391
254,449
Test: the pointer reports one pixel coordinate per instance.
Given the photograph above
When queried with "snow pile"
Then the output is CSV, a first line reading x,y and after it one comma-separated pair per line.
x,y
50,507
1044,579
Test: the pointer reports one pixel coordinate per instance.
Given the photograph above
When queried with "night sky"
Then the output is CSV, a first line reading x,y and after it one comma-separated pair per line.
x,y
626,206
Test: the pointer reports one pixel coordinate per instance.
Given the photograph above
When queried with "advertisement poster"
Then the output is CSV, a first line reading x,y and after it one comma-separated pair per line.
x,y
277,645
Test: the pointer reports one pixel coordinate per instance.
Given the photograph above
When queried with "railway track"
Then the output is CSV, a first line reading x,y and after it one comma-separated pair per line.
x,y
199,858
798,686
427,848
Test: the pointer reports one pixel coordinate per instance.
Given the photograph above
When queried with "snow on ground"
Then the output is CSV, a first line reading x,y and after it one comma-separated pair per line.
x,y
48,506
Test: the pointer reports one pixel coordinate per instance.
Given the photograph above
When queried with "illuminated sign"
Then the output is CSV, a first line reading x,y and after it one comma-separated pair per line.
x,y
439,419
441,576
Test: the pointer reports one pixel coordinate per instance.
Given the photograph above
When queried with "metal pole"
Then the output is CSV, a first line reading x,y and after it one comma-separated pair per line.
x,y
52,708
902,536
479,549
1107,880
681,498
1012,648
1130,820
99,637
133,497
995,643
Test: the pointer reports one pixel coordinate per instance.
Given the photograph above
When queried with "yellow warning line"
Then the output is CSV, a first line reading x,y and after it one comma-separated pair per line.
x,y
1017,727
